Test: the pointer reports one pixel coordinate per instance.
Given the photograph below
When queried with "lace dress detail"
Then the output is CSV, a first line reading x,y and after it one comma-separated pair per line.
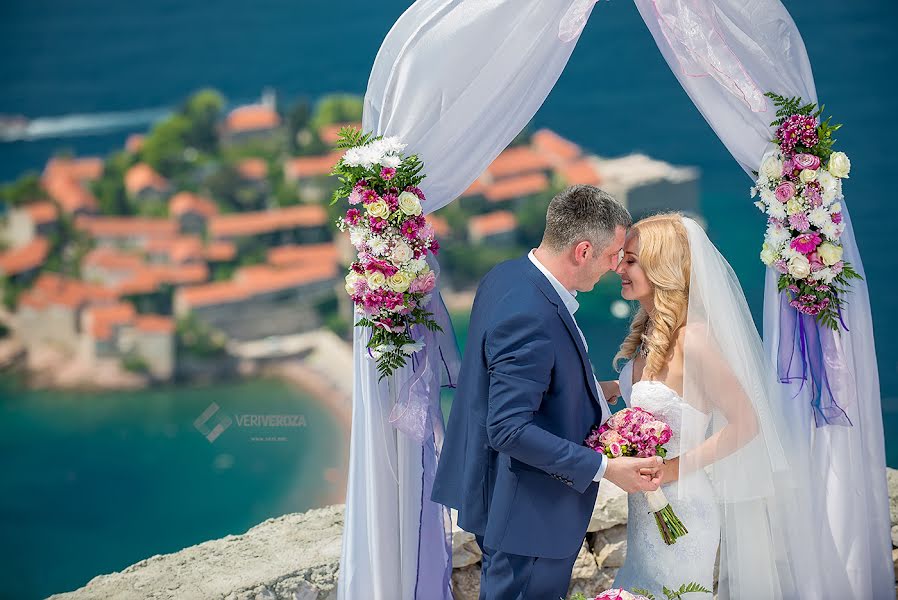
x,y
650,564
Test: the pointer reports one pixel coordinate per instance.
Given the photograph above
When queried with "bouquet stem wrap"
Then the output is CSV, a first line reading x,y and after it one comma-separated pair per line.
x,y
669,523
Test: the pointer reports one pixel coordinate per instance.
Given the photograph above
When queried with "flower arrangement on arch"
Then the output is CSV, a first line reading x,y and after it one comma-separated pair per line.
x,y
390,282
800,190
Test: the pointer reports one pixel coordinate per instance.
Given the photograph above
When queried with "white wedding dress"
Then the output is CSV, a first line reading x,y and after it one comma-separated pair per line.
x,y
650,563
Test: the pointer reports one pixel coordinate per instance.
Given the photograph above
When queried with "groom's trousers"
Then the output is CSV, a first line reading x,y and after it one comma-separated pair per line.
x,y
505,576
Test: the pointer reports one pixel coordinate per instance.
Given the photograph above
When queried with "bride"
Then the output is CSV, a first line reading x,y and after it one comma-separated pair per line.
x,y
732,473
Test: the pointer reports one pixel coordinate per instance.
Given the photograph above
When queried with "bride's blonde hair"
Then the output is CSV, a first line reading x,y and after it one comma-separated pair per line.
x,y
664,257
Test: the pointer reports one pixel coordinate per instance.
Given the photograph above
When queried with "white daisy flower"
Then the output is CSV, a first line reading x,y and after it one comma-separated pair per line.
x,y
819,217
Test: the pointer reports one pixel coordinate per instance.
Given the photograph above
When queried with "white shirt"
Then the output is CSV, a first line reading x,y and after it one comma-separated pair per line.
x,y
570,301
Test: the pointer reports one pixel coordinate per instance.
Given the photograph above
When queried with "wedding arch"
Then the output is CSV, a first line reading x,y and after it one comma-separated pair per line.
x,y
457,80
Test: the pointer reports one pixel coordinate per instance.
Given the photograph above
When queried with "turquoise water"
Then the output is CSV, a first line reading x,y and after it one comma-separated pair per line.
x,y
95,482
92,483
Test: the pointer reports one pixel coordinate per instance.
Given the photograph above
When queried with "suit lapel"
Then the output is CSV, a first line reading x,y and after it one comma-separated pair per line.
x,y
549,292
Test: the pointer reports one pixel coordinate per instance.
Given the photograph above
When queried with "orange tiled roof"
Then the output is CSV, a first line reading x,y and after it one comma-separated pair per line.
x,y
265,221
55,289
296,255
554,147
255,281
253,168
142,176
517,187
69,192
492,223
330,134
79,169
579,171
126,227
154,324
517,161
24,258
134,143
221,251
439,224
311,166
178,249
188,202
251,118
42,212
150,278
101,320
142,281
112,259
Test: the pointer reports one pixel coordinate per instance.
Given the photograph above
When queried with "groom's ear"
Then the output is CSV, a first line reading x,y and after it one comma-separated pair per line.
x,y
581,251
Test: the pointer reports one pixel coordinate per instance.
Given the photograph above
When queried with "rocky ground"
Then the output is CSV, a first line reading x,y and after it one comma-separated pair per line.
x,y
296,557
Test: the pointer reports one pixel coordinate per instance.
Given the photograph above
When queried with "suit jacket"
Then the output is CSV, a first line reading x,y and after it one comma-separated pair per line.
x,y
513,461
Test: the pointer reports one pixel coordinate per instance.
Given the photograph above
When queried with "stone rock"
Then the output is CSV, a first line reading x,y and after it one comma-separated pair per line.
x,y
895,561
466,583
586,575
465,551
610,508
611,547
895,535
292,557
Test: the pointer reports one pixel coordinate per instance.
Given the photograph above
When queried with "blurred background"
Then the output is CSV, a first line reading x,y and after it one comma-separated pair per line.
x,y
174,338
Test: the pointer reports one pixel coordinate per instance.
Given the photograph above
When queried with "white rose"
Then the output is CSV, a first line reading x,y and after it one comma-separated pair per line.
x,y
839,165
379,209
351,280
768,254
793,206
772,167
799,267
402,252
376,280
399,282
807,175
409,204
830,254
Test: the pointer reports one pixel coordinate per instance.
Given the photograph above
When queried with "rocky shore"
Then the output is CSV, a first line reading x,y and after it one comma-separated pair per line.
x,y
297,557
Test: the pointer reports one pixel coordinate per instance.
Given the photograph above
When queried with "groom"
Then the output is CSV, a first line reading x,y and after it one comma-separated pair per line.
x,y
513,462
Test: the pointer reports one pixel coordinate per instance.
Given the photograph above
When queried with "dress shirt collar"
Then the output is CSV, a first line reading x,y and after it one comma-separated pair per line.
x,y
567,296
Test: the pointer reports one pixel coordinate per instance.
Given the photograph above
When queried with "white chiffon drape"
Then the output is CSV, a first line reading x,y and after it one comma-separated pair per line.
x,y
726,54
457,80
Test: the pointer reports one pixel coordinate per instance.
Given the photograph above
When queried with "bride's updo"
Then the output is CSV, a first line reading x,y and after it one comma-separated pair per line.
x,y
664,257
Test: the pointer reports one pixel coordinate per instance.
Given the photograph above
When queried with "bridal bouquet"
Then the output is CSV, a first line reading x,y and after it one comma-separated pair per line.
x,y
800,188
637,432
390,281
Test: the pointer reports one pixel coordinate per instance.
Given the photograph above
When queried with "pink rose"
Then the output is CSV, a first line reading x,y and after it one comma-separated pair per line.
x,y
424,284
785,191
806,161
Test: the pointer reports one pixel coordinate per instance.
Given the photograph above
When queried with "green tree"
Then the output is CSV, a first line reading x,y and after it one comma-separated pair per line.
x,y
337,108
203,109
110,188
298,117
164,147
23,190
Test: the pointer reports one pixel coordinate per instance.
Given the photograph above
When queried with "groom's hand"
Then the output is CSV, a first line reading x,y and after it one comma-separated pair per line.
x,y
635,474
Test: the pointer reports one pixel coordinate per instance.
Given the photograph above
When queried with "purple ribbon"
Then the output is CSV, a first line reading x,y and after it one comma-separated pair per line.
x,y
812,354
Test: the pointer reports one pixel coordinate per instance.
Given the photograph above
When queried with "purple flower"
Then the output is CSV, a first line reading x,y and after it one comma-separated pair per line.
x,y
369,196
837,268
355,196
377,224
812,193
392,201
782,266
387,173
416,191
352,216
799,222
410,229
806,161
836,217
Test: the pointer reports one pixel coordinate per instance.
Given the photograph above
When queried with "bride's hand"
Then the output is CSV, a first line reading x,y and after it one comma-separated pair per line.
x,y
611,390
670,470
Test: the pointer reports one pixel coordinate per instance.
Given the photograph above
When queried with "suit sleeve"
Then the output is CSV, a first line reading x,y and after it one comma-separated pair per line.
x,y
520,358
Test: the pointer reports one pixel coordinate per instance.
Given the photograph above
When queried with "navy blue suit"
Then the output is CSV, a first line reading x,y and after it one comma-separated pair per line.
x,y
513,461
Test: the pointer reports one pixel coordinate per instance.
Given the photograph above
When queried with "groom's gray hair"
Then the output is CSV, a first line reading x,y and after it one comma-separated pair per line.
x,y
583,212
